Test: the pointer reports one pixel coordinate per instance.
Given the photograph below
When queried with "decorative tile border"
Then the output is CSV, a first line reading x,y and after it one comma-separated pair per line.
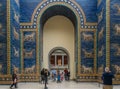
x,y
69,2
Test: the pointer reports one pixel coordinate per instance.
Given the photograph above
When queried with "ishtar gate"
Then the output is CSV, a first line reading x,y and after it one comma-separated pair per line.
x,y
82,36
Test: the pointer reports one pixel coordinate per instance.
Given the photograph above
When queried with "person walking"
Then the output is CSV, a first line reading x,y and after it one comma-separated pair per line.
x,y
62,76
14,79
107,77
58,76
42,76
46,75
65,73
68,75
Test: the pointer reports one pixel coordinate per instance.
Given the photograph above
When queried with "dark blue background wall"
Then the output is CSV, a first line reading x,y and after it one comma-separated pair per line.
x,y
15,35
101,36
115,35
3,36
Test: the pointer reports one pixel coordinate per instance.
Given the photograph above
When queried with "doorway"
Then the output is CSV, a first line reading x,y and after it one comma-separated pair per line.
x,y
58,32
58,59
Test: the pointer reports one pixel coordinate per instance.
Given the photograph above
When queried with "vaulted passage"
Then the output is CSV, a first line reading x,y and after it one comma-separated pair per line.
x,y
57,28
80,35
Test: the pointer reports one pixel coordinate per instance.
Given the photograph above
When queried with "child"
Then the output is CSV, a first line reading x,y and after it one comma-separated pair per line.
x,y
62,76
58,76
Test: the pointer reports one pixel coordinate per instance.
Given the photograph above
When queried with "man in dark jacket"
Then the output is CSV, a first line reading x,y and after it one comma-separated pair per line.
x,y
107,79
46,74
42,75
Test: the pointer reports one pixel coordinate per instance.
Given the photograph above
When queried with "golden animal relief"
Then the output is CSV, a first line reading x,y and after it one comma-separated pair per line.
x,y
88,54
100,34
117,68
86,69
16,35
117,48
101,69
99,2
100,52
117,29
118,52
16,52
17,2
1,32
28,54
29,70
16,16
87,37
118,8
29,37
100,15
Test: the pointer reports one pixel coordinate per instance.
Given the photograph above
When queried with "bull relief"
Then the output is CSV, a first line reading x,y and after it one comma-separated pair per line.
x,y
101,33
87,52
116,68
117,7
100,15
29,53
15,33
117,29
116,48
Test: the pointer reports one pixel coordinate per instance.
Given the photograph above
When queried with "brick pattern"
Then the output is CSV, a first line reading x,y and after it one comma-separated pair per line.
x,y
101,36
15,35
3,37
115,36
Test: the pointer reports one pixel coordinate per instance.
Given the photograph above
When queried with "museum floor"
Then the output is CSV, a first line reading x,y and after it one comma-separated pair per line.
x,y
63,85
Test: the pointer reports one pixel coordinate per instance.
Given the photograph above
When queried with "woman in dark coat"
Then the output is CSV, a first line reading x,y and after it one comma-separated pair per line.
x,y
14,79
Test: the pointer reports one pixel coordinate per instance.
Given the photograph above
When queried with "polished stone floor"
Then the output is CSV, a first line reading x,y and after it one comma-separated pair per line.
x,y
62,85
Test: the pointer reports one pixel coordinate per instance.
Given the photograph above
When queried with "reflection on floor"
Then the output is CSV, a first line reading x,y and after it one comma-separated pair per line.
x,y
62,85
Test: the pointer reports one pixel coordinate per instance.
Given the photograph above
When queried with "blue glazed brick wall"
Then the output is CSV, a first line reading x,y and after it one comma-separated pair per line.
x,y
29,49
89,7
101,36
26,9
15,35
115,35
3,37
87,52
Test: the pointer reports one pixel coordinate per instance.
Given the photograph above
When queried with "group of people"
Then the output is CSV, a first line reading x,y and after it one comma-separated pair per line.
x,y
58,75
67,74
107,77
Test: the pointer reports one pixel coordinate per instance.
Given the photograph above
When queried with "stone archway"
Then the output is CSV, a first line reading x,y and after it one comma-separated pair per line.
x,y
61,11
67,8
